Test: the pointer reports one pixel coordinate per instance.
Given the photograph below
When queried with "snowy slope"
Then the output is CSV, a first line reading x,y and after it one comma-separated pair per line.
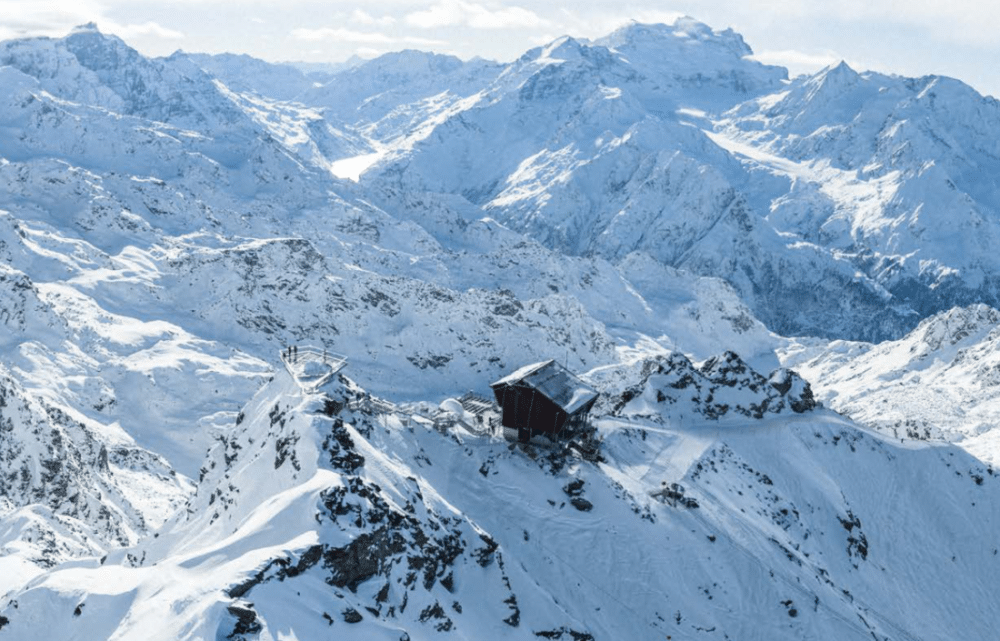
x,y
607,151
114,226
248,75
369,526
284,81
938,383
643,208
899,174
71,483
389,96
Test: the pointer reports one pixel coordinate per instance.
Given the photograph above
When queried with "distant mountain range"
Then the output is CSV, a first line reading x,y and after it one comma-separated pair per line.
x,y
730,256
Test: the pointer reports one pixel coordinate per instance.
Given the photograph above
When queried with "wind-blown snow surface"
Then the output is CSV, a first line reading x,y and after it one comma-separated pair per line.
x,y
630,206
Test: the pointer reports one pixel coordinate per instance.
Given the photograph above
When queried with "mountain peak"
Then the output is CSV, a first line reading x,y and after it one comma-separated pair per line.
x,y
413,59
840,71
90,26
564,47
560,50
96,49
842,68
404,65
685,28
831,82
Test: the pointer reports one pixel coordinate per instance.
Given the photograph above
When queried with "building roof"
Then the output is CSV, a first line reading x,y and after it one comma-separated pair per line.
x,y
554,381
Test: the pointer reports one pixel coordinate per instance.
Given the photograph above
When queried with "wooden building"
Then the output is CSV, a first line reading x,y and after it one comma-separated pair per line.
x,y
543,399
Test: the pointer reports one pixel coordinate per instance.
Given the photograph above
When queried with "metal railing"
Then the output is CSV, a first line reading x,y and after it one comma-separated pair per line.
x,y
295,359
371,405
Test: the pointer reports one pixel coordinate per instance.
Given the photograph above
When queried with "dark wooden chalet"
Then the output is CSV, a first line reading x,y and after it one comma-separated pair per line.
x,y
543,398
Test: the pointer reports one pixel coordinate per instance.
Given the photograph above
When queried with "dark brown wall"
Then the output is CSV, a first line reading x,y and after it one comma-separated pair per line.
x,y
525,407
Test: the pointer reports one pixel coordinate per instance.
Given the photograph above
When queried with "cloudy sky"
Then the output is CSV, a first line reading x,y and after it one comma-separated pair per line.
x,y
912,37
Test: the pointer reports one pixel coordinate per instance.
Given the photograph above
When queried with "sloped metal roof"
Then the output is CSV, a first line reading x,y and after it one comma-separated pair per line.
x,y
556,382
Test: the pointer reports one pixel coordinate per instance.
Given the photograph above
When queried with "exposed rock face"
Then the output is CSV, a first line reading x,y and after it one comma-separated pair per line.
x,y
393,549
246,626
794,388
163,235
60,495
722,385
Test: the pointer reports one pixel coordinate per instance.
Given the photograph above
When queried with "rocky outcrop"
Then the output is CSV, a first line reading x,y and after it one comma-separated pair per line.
x,y
722,386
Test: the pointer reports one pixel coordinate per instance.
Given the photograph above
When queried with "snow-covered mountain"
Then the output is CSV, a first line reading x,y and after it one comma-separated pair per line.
x,y
315,516
723,385
604,149
625,143
648,208
389,96
100,70
938,383
72,482
898,174
247,75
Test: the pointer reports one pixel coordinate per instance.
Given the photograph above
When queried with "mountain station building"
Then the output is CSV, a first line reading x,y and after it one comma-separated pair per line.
x,y
542,399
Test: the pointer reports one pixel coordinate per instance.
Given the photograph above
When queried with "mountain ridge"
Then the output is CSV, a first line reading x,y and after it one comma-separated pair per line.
x,y
656,211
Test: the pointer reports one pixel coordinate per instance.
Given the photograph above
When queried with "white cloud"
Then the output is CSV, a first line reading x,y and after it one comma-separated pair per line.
x,y
56,19
451,13
509,18
423,42
340,34
148,29
28,17
440,15
600,22
797,61
368,52
971,22
964,21
362,17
